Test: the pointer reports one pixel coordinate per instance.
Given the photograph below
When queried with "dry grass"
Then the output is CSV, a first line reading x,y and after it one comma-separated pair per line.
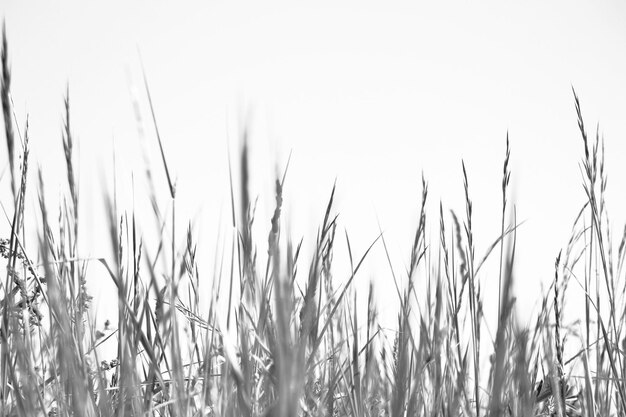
x,y
281,339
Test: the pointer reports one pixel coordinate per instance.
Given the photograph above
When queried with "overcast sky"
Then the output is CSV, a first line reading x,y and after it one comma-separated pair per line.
x,y
372,94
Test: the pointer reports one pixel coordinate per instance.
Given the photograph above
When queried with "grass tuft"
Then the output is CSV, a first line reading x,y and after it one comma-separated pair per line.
x,y
291,340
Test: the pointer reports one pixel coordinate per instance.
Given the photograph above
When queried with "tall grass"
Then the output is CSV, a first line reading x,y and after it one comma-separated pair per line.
x,y
280,338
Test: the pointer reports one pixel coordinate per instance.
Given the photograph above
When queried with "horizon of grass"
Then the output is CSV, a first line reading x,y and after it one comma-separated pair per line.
x,y
291,342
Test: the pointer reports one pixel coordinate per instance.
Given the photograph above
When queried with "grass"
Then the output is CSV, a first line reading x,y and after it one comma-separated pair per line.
x,y
281,338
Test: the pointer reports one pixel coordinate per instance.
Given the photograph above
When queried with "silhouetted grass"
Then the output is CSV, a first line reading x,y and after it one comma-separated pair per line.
x,y
279,338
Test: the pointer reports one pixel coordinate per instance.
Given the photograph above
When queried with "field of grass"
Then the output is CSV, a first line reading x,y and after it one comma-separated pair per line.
x,y
280,337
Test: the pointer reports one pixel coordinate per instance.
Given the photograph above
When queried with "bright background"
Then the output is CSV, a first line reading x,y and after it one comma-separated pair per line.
x,y
372,94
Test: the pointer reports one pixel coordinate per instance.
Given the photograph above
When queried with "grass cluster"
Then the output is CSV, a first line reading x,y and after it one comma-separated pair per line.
x,y
280,337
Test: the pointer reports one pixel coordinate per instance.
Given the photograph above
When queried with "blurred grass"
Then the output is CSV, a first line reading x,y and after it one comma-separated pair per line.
x,y
281,338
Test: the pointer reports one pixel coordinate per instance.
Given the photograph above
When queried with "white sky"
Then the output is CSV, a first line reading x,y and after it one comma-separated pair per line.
x,y
369,93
